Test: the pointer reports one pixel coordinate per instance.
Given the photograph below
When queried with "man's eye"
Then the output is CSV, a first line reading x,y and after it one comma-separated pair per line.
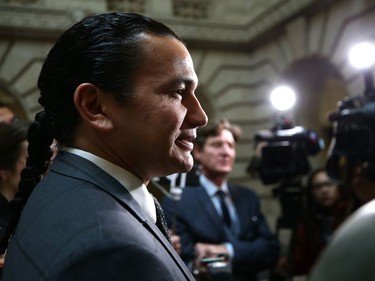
x,y
216,144
180,92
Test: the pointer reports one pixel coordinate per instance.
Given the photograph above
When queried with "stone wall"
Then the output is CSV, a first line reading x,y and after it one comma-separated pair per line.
x,y
240,54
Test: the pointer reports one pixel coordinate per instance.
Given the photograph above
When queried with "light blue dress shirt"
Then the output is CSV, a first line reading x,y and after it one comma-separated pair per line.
x,y
211,190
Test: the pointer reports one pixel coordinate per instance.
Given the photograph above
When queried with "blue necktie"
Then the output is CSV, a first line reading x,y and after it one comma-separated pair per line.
x,y
224,207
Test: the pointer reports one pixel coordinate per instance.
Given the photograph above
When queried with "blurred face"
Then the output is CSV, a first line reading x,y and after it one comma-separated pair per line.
x,y
325,192
217,155
155,128
362,186
11,177
6,115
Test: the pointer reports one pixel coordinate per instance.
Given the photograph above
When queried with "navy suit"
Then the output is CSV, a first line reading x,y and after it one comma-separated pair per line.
x,y
255,247
82,224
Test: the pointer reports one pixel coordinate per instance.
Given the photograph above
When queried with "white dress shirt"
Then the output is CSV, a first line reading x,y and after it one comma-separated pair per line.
x,y
132,183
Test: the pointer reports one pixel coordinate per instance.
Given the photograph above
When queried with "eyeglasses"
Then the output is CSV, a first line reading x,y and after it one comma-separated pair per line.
x,y
323,184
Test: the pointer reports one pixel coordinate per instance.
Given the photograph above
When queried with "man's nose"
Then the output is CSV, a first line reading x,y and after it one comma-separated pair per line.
x,y
196,115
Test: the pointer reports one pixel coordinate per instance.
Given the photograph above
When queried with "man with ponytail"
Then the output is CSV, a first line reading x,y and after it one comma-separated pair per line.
x,y
118,98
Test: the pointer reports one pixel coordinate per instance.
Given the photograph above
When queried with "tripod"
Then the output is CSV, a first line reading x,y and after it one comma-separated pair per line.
x,y
291,196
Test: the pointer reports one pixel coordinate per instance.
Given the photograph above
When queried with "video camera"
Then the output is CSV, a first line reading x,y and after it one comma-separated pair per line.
x,y
353,137
284,151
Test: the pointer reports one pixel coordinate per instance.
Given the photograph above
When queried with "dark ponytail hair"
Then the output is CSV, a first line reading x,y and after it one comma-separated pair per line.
x,y
104,50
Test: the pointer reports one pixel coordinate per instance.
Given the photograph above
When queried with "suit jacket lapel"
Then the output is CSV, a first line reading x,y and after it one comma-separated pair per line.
x,y
210,210
243,206
80,168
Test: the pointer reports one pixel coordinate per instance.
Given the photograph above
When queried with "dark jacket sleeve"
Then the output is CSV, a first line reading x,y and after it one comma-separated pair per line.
x,y
256,246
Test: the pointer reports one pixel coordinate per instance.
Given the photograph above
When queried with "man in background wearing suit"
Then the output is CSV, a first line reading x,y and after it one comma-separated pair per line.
x,y
208,227
118,96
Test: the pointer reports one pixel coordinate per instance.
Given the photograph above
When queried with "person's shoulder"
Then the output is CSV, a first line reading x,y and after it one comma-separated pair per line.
x,y
192,189
365,212
242,189
361,220
350,254
186,192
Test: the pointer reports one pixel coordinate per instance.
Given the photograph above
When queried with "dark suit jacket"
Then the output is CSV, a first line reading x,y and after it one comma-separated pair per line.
x,y
82,224
255,248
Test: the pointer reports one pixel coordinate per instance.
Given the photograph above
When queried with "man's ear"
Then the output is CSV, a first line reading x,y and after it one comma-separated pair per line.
x,y
4,174
88,100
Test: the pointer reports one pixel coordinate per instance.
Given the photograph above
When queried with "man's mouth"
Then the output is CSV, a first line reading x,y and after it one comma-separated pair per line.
x,y
185,144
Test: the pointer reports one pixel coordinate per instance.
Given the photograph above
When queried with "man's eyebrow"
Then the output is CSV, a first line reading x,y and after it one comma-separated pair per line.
x,y
182,80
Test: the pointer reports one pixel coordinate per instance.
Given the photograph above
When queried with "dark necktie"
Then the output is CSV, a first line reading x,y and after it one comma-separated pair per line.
x,y
160,221
224,207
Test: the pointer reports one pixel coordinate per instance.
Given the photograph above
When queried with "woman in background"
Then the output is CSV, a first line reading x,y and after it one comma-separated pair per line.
x,y
326,208
13,155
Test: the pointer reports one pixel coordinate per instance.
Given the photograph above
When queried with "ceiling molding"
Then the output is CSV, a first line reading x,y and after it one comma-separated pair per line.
x,y
231,33
34,22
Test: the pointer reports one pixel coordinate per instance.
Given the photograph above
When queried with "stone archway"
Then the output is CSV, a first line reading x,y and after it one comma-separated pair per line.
x,y
9,98
319,85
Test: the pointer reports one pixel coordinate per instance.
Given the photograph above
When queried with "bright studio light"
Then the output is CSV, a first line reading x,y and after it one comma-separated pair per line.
x,y
283,98
362,55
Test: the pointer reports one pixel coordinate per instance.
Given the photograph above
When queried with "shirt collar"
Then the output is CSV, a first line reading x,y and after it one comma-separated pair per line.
x,y
132,183
210,187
